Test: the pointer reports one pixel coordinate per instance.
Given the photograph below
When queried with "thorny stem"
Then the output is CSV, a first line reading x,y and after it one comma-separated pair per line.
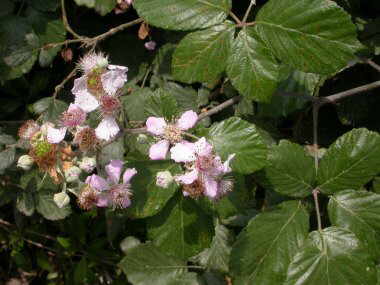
x,y
316,202
253,2
66,22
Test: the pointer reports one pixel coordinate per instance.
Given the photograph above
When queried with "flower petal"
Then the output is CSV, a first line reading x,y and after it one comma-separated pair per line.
x,y
203,148
158,150
107,128
156,126
211,187
188,177
55,135
187,120
113,170
226,164
128,174
102,200
97,182
114,79
183,152
83,98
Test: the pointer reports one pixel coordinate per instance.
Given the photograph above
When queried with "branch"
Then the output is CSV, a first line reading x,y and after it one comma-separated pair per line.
x,y
219,108
371,63
237,20
253,2
64,81
66,22
316,202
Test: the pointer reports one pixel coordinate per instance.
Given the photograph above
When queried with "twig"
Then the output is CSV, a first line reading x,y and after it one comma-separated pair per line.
x,y
66,22
237,20
253,2
219,108
372,63
315,134
64,81
316,202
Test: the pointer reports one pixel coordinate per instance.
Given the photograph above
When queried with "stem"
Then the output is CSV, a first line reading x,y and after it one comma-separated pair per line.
x,y
373,64
315,134
316,202
190,135
237,20
219,108
64,81
66,22
253,2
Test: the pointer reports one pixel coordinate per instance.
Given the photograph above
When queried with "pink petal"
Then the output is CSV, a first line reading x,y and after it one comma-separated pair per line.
x,y
83,98
128,174
103,200
203,148
183,152
151,45
211,187
114,79
97,182
113,170
55,135
188,177
187,120
107,129
158,150
156,126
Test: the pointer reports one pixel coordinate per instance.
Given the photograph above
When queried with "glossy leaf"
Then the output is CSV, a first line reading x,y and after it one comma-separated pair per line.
x,y
251,67
181,229
202,56
183,15
46,206
264,249
350,162
161,104
358,211
291,170
134,103
332,256
310,35
235,135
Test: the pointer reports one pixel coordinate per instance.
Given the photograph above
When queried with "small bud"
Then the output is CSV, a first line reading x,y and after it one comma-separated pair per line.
x,y
88,164
151,45
164,179
25,162
61,199
141,138
72,174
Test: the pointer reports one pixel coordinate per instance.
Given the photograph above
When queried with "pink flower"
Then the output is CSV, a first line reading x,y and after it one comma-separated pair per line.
x,y
110,191
206,171
170,133
151,45
74,116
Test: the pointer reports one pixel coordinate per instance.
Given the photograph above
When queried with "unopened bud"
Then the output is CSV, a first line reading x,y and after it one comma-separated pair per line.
x,y
61,199
141,138
25,162
164,179
88,164
72,174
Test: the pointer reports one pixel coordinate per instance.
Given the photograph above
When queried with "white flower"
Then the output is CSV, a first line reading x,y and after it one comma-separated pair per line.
x,y
61,199
25,162
87,164
107,129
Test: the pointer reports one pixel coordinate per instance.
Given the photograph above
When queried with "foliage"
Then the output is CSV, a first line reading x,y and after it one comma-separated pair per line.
x,y
207,150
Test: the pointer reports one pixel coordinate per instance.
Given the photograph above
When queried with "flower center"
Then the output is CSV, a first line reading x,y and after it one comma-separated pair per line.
x,y
195,189
109,104
173,134
120,195
87,198
86,139
94,81
42,148
205,163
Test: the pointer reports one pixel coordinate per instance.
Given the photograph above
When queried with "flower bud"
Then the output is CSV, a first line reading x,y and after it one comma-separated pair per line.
x,y
87,164
141,138
61,199
25,162
164,179
72,174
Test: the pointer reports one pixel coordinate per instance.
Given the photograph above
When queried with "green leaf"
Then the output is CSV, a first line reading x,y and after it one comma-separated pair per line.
x,y
332,256
114,150
266,246
103,7
291,170
45,5
145,264
251,67
47,207
218,255
183,15
7,139
7,158
202,56
350,162
181,229
161,104
358,211
25,202
134,104
310,35
235,135
51,109
148,198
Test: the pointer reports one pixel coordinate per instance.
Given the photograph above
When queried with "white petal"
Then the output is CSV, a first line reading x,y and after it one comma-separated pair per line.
x,y
182,152
187,120
202,147
226,164
156,126
159,150
188,177
113,80
107,129
211,187
128,174
55,135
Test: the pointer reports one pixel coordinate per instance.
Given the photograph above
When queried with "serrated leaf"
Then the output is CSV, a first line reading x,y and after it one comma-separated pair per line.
x,y
46,206
161,104
148,198
7,158
134,104
183,15
266,246
358,211
291,170
235,135
218,255
304,33
332,256
145,264
251,67
181,229
350,162
202,56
